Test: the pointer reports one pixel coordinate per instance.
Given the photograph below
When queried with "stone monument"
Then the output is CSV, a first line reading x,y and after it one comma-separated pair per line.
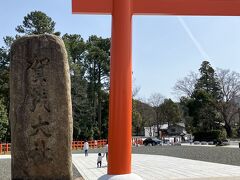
x,y
40,109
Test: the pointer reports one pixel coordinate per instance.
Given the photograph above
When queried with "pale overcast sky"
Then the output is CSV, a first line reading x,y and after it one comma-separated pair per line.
x,y
165,48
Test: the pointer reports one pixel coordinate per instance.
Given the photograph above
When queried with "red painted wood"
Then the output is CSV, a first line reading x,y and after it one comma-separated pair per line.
x,y
120,118
91,6
187,7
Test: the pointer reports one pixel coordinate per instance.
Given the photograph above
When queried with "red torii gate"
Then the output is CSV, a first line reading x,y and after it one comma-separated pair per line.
x,y
120,123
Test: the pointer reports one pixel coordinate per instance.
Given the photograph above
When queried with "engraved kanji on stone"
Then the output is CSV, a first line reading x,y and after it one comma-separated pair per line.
x,y
40,152
41,126
38,84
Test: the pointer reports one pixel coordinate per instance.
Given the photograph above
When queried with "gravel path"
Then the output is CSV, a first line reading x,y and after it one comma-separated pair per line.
x,y
221,155
5,170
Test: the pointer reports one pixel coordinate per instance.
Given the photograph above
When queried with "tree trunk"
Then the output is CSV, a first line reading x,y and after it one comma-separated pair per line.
x,y
99,102
93,89
150,131
228,119
158,129
158,124
99,115
228,129
137,131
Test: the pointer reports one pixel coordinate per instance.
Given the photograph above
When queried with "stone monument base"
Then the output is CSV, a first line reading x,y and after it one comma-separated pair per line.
x,y
120,177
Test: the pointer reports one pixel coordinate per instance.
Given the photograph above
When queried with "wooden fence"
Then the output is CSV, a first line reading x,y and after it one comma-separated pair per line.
x,y
92,144
137,141
5,148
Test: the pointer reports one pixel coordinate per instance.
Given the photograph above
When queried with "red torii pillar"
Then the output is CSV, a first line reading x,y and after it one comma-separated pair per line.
x,y
120,123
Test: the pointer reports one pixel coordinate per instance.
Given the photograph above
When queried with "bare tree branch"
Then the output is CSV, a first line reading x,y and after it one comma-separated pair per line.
x,y
155,100
230,84
135,89
230,87
185,86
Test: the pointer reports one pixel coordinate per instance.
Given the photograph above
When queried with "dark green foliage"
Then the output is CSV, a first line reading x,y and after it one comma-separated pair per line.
x,y
3,122
235,132
75,46
201,109
97,64
8,40
137,121
4,89
215,135
89,65
37,22
104,115
188,120
4,76
81,112
170,112
143,116
208,81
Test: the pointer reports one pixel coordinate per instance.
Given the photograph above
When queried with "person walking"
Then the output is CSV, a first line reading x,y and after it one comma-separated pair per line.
x,y
85,148
99,160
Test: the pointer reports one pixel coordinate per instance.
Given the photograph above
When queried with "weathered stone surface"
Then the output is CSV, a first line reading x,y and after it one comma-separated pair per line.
x,y
40,109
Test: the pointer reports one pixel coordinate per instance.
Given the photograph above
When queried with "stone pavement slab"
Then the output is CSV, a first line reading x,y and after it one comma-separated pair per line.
x,y
157,167
5,169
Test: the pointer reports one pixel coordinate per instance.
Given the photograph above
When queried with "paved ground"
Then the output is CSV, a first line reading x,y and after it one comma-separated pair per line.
x,y
215,154
146,163
157,167
5,169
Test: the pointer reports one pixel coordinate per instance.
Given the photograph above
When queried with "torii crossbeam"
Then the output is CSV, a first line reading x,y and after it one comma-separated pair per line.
x,y
120,122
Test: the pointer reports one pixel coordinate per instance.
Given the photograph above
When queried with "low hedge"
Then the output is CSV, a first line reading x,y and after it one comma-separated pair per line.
x,y
214,135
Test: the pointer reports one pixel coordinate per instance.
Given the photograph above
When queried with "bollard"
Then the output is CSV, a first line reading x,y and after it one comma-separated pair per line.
x,y
82,142
6,148
9,147
73,145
